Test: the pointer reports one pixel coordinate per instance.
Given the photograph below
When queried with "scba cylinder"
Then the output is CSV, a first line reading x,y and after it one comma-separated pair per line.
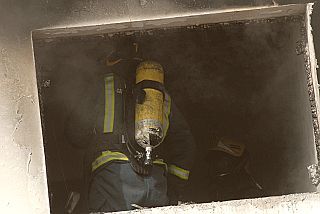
x,y
149,113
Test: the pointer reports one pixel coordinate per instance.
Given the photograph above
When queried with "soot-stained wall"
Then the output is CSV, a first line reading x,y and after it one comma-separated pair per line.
x,y
242,79
23,178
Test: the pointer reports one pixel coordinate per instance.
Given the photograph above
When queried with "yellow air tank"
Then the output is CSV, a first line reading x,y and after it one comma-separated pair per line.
x,y
149,113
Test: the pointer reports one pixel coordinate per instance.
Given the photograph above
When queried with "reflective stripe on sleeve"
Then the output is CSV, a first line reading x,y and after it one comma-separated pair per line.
x,y
166,112
179,172
109,104
108,156
161,162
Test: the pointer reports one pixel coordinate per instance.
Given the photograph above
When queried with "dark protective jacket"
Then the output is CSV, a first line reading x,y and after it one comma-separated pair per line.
x,y
92,126
229,178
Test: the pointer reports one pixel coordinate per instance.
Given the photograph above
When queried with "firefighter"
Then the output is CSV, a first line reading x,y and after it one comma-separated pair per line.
x,y
140,147
228,173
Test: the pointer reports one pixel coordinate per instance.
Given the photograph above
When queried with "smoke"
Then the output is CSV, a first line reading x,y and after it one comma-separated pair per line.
x,y
239,79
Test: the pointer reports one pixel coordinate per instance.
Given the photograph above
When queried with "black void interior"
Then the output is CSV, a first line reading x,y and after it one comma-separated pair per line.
x,y
240,79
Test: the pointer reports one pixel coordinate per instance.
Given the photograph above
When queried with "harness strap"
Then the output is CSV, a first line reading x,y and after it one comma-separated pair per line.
x,y
140,93
151,84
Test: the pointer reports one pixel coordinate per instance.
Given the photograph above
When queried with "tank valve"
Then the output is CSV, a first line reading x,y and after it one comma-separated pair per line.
x,y
148,160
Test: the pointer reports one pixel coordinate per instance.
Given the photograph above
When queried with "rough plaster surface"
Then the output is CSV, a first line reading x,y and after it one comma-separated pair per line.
x,y
311,68
23,178
299,203
215,16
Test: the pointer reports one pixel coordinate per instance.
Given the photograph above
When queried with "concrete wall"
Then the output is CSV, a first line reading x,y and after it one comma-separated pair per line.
x,y
23,177
283,122
256,91
291,204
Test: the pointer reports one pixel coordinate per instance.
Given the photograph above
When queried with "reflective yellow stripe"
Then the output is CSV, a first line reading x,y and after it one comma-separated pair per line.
x,y
179,172
166,112
109,104
108,156
161,162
